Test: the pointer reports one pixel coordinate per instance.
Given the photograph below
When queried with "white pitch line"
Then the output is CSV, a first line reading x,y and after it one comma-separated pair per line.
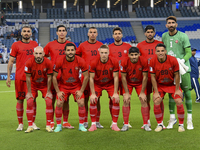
x,y
6,91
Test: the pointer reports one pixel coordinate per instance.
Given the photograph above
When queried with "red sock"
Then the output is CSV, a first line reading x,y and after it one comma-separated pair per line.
x,y
115,112
86,116
20,111
65,115
58,113
29,111
180,112
52,119
34,110
93,112
81,113
98,116
126,112
110,106
145,114
49,111
158,113
162,109
149,108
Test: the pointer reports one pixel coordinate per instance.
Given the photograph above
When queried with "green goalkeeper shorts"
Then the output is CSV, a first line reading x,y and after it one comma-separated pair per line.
x,y
185,82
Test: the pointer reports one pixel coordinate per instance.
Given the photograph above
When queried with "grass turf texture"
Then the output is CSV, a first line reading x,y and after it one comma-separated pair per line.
x,y
135,138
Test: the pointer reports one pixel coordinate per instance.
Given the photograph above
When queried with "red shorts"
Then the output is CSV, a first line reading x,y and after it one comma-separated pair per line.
x,y
149,86
138,89
20,89
68,91
35,89
99,89
87,88
168,89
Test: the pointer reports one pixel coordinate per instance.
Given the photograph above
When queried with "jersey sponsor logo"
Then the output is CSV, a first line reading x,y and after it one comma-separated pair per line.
x,y
176,41
134,79
104,80
26,68
39,80
125,51
165,80
171,53
71,80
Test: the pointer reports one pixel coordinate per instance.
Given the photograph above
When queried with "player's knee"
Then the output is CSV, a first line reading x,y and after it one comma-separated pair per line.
x,y
143,103
30,102
125,104
178,101
59,103
157,101
81,102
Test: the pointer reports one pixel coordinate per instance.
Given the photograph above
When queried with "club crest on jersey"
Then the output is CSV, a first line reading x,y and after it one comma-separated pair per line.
x,y
125,51
44,69
170,68
140,69
111,69
54,67
76,68
176,41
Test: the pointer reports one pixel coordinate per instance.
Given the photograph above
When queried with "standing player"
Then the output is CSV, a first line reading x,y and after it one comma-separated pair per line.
x,y
39,72
69,65
164,71
119,50
134,71
55,49
104,75
22,51
178,45
147,50
88,50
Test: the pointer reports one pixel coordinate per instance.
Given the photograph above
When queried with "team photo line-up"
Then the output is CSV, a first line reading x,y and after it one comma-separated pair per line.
x,y
157,67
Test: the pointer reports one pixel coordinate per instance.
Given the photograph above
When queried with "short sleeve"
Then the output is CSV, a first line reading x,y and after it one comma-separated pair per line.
x,y
144,64
46,50
28,67
50,68
116,66
14,50
176,65
123,66
78,51
83,65
92,67
57,66
151,66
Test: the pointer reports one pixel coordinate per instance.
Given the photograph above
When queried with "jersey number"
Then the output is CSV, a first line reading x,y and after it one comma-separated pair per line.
x,y
29,52
61,52
150,51
134,71
170,43
94,53
39,72
105,72
119,54
164,72
21,94
70,71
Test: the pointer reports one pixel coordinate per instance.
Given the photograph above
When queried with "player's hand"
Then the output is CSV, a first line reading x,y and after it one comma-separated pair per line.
x,y
93,99
8,82
78,94
61,95
115,98
29,95
179,93
182,60
143,97
126,97
156,95
49,94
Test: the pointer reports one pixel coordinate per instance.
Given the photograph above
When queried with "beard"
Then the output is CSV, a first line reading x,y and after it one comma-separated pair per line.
x,y
70,56
38,59
171,29
150,38
118,40
25,38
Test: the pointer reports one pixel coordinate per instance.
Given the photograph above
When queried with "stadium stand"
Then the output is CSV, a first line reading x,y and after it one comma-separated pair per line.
x,y
189,11
104,31
16,15
191,28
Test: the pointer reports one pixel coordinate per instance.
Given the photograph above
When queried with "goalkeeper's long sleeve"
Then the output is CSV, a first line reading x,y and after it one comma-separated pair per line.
x,y
188,53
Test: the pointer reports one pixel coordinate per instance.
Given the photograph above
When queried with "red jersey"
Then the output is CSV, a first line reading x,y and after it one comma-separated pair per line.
x,y
70,71
89,51
164,71
134,71
104,71
39,71
119,51
55,49
22,52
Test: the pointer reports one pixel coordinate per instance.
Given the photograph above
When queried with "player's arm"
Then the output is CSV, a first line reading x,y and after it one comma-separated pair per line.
x,y
142,95
28,83
60,94
84,84
126,95
49,81
93,96
9,70
188,53
177,84
116,86
155,88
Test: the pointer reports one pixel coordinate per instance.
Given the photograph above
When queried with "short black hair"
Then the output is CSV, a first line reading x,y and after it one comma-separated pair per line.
x,y
160,45
171,18
27,27
60,27
117,29
149,27
70,44
133,50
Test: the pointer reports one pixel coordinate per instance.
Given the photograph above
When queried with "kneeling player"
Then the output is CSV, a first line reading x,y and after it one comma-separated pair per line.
x,y
104,75
164,71
134,72
70,84
38,78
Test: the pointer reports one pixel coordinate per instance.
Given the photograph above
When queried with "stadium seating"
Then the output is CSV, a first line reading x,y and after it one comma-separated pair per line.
x,y
104,31
191,28
189,12
105,13
34,15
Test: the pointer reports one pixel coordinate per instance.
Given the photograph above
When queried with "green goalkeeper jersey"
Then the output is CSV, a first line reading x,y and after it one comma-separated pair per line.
x,y
176,44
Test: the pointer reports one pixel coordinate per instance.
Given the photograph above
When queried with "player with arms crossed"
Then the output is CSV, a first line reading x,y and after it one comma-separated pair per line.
x,y
56,49
39,72
164,71
118,50
104,75
22,51
134,71
178,45
89,50
70,83
147,50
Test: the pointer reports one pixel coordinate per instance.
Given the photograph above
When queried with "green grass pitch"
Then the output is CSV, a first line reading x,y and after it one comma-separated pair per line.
x,y
102,139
